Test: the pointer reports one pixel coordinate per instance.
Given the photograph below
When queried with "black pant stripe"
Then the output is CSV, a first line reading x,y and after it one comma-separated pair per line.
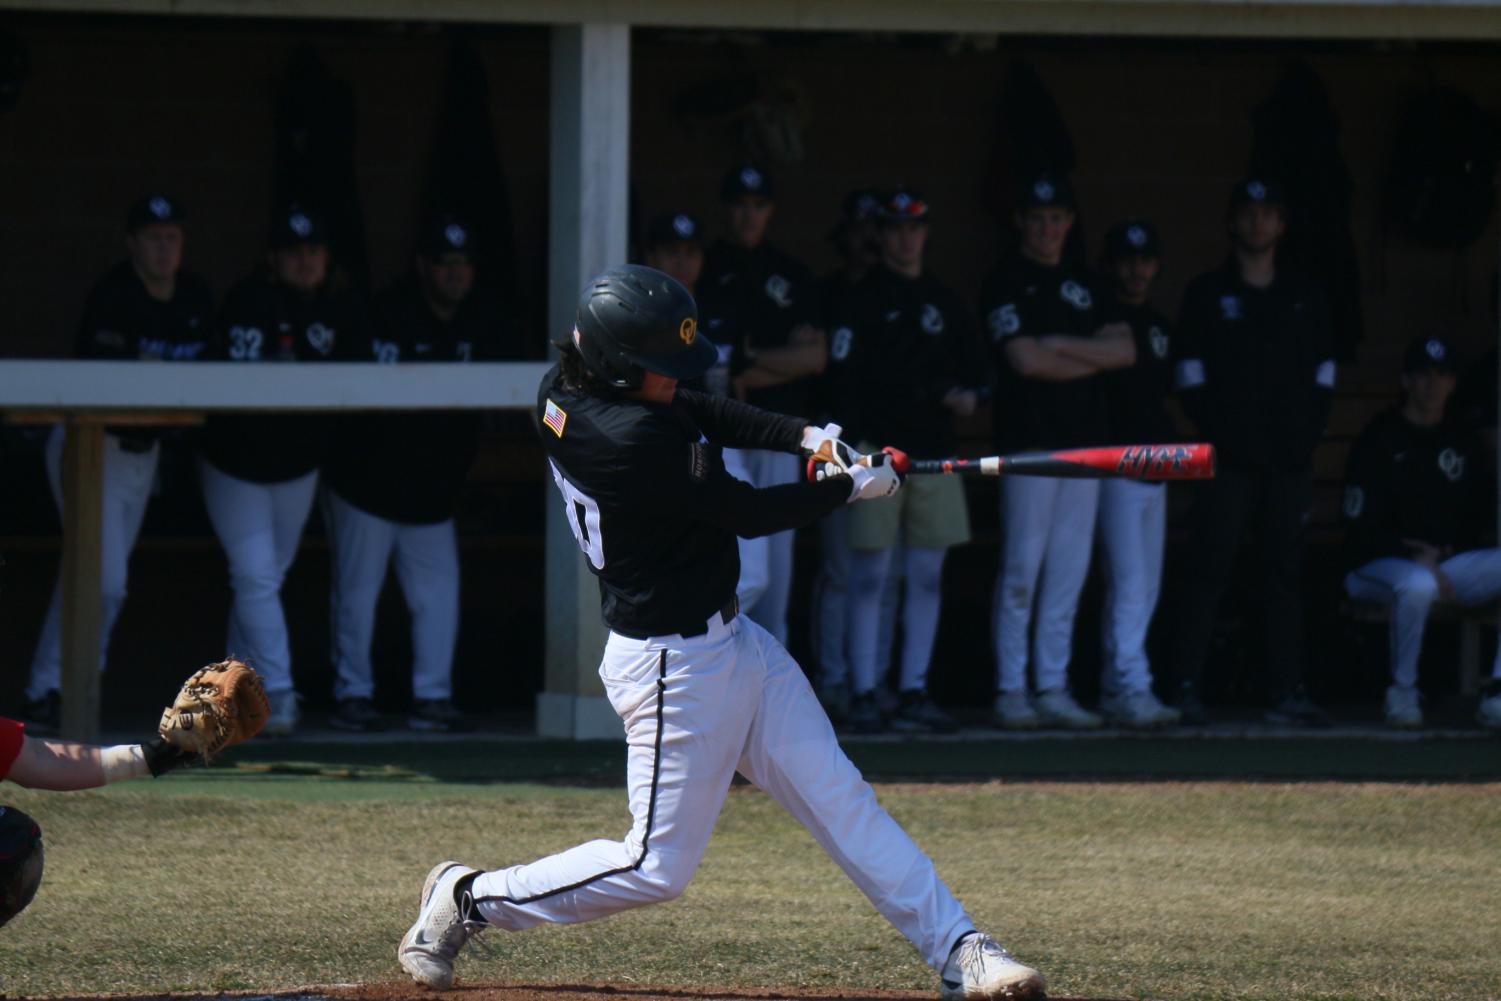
x,y
651,809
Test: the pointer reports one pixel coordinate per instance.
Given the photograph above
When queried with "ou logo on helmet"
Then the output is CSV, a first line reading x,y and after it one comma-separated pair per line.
x,y
688,330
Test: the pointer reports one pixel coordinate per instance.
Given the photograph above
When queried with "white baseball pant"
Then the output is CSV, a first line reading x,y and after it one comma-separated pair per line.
x,y
427,567
765,563
871,576
1049,530
1411,589
259,525
128,478
696,710
1132,528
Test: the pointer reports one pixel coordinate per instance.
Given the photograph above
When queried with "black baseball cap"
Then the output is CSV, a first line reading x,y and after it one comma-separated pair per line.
x,y
446,234
154,208
1132,238
859,205
1430,352
1257,190
746,179
674,227
295,224
1045,188
903,205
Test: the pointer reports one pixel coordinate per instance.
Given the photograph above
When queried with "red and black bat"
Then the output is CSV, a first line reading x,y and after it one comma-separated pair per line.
x,y
1133,462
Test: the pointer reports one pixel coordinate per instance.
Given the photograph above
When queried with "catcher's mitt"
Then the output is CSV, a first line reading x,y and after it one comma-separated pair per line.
x,y
218,707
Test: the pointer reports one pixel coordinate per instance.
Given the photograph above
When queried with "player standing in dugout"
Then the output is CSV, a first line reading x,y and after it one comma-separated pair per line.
x,y
703,691
1132,521
392,480
903,365
1255,372
771,302
1049,344
259,472
148,308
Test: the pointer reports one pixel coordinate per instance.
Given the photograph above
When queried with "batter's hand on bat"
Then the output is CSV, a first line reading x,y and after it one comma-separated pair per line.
x,y
827,455
877,475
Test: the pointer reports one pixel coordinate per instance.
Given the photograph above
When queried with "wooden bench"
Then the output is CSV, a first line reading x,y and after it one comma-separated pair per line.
x,y
1469,619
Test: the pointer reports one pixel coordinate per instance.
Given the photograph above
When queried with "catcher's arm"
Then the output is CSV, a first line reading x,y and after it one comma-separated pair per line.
x,y
65,765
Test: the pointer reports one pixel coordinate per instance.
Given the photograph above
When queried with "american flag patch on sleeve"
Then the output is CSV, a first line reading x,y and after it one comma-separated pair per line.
x,y
554,417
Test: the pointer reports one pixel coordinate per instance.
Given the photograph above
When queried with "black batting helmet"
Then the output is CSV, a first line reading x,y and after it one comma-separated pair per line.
x,y
20,861
633,320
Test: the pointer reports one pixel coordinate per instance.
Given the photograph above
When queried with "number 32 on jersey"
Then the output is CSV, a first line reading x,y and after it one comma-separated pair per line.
x,y
583,518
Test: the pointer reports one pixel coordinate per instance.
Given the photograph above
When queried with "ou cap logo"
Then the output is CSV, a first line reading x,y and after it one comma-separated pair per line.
x,y
682,226
1043,190
688,329
160,207
300,224
455,235
1136,236
1256,190
751,178
1435,349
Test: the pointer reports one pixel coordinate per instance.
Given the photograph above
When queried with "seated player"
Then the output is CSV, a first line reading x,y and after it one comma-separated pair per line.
x,y
703,691
1414,505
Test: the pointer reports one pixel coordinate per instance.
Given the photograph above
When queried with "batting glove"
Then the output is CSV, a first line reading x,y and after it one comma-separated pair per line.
x,y
875,476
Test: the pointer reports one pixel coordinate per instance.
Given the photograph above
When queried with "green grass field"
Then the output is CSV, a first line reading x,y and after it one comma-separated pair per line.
x,y
293,865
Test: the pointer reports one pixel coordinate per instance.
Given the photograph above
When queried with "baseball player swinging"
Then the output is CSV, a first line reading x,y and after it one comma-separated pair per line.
x,y
703,691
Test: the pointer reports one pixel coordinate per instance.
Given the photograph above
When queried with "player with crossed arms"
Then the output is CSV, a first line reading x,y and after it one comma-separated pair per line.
x,y
703,691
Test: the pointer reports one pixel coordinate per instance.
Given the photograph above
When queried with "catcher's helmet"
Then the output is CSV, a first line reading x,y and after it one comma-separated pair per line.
x,y
633,320
20,861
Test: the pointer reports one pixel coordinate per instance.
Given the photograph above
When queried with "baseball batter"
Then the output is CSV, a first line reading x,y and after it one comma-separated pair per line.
x,y
145,308
703,691
1049,343
259,471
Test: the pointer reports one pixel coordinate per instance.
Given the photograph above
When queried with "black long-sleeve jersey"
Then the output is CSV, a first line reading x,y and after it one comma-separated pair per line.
x,y
1256,367
1022,298
897,345
1136,396
650,502
122,321
762,295
1403,481
410,467
262,321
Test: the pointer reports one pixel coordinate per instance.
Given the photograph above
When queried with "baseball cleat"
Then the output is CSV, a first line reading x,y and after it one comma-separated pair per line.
x,y
1058,708
980,970
443,925
1140,711
1403,707
1013,711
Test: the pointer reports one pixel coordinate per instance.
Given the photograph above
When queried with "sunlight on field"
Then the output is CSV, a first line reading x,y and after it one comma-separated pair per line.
x,y
1178,890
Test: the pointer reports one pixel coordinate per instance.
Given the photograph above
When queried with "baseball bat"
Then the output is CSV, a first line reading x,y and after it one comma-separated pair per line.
x,y
1194,461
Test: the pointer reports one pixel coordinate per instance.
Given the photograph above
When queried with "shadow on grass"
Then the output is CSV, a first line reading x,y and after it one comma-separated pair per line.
x,y
596,763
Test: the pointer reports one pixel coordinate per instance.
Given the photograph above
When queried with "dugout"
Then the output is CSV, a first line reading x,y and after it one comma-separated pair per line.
x,y
120,96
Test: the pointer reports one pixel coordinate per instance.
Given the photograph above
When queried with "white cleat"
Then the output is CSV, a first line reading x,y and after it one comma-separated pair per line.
x,y
429,947
980,970
283,717
1488,714
1403,708
1140,711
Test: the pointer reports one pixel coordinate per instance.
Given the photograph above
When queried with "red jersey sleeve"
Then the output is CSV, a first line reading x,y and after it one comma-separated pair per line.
x,y
12,735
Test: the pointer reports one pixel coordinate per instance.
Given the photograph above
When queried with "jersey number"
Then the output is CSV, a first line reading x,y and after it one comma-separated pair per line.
x,y
245,343
583,518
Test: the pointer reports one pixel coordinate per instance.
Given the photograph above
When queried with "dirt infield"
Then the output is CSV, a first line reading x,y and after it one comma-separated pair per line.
x,y
497,991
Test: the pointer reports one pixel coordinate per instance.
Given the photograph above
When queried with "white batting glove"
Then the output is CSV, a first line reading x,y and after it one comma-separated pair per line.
x,y
874,477
827,451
